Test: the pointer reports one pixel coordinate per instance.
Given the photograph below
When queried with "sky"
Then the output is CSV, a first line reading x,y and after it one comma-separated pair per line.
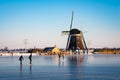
x,y
40,22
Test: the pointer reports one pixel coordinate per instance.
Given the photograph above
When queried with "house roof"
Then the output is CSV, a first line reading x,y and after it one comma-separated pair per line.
x,y
48,49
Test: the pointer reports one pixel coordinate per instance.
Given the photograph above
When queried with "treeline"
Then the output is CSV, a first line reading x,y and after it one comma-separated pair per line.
x,y
107,50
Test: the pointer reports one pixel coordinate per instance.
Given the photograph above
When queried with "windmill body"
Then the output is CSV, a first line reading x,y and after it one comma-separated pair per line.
x,y
76,39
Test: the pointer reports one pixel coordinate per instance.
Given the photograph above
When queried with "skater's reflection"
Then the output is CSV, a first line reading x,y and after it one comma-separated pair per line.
x,y
61,64
30,70
21,68
21,71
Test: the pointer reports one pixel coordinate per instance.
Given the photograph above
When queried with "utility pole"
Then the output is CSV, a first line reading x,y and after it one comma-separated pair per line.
x,y
25,43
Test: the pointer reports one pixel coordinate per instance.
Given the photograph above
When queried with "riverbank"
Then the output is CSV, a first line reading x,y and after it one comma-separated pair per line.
x,y
107,51
37,54
17,54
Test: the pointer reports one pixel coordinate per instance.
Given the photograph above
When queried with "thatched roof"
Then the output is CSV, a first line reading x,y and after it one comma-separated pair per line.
x,y
56,50
75,31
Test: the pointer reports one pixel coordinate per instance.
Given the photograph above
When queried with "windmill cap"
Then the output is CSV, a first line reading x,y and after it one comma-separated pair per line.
x,y
75,31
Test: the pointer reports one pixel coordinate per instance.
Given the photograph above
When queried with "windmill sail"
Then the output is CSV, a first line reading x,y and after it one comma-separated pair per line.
x,y
85,44
65,32
69,32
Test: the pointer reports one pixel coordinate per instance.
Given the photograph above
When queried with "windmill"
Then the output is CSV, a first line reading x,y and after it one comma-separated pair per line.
x,y
75,39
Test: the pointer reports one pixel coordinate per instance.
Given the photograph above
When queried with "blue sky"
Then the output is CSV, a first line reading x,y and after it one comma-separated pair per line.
x,y
41,22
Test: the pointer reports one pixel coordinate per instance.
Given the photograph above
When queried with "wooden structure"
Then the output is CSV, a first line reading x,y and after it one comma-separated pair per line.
x,y
75,39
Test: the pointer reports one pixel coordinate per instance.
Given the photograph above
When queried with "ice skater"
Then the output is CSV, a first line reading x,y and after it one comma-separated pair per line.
x,y
30,58
59,55
63,55
20,59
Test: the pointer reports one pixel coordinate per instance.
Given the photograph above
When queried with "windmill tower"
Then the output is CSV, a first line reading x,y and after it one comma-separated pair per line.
x,y
75,39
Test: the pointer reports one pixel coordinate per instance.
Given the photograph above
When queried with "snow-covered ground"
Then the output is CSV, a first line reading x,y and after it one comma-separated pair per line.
x,y
18,54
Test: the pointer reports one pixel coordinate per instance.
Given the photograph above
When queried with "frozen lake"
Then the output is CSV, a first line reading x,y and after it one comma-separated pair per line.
x,y
82,67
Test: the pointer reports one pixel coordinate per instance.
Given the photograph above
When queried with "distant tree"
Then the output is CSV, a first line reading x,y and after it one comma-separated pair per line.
x,y
6,48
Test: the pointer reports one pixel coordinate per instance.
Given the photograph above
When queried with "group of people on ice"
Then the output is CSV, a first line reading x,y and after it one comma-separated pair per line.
x,y
21,59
